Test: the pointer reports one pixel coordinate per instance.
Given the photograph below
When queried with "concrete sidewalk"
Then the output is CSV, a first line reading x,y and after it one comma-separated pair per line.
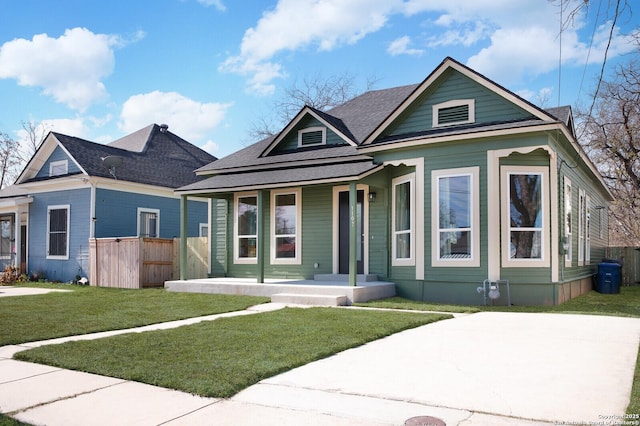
x,y
480,369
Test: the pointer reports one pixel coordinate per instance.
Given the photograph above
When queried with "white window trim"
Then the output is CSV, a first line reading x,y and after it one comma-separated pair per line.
x,y
60,163
454,103
200,227
474,260
58,207
147,210
581,224
236,247
11,243
587,231
568,231
297,260
544,261
311,130
411,260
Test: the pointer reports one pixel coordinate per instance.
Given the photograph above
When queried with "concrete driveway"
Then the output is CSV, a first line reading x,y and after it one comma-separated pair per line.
x,y
480,369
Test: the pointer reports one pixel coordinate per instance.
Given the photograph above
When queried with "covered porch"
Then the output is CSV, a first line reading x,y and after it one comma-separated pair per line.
x,y
327,290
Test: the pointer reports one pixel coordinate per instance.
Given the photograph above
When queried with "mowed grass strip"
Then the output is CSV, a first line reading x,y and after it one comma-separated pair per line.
x,y
90,309
219,358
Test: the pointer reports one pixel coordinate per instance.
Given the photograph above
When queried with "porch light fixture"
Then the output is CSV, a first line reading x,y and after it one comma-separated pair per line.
x,y
372,197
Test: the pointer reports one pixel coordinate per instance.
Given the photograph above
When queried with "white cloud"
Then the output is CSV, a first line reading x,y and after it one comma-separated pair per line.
x,y
300,24
217,3
400,46
211,147
69,68
187,118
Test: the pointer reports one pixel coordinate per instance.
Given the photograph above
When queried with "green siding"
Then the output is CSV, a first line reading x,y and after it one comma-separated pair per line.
x,y
219,225
290,141
452,85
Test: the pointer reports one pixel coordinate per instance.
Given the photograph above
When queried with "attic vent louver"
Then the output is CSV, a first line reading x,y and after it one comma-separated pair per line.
x,y
312,136
454,112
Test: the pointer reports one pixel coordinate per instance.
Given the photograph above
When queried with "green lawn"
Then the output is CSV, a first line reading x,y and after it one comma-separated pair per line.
x,y
91,309
220,358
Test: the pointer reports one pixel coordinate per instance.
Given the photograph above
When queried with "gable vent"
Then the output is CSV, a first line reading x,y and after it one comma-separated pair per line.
x,y
460,111
312,136
454,114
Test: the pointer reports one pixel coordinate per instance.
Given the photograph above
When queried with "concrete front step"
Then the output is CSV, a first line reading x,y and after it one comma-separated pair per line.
x,y
361,278
310,299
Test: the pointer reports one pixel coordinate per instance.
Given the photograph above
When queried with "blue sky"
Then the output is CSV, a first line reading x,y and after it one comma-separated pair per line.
x,y
211,68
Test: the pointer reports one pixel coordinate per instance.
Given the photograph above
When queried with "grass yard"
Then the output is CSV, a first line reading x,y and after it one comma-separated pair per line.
x,y
91,309
222,357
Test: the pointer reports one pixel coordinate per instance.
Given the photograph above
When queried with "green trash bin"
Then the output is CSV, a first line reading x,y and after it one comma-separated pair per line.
x,y
609,278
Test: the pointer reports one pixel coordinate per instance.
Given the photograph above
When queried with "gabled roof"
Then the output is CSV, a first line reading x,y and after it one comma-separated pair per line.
x,y
152,156
366,123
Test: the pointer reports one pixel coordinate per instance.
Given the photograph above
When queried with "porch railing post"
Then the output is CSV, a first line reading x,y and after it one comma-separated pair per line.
x,y
353,234
260,237
184,234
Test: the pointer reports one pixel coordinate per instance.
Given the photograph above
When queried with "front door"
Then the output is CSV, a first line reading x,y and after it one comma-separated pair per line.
x,y
343,232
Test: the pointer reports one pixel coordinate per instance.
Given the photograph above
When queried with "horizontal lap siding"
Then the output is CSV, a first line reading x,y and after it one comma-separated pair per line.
x,y
488,106
77,264
58,154
117,214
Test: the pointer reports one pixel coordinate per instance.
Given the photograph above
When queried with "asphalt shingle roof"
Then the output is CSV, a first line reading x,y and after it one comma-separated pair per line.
x,y
164,159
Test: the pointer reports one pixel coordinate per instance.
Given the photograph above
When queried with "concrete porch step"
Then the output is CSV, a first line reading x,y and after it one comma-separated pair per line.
x,y
361,278
310,299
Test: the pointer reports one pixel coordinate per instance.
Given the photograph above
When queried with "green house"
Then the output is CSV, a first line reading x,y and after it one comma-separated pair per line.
x,y
448,188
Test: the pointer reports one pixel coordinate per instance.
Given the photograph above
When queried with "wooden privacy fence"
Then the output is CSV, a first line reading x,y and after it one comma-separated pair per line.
x,y
630,258
134,262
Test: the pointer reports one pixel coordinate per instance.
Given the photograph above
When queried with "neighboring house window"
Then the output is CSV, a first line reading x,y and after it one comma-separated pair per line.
x,y
403,220
286,214
525,228
204,230
246,228
568,222
448,113
582,210
57,168
455,217
148,223
587,231
6,236
312,136
58,232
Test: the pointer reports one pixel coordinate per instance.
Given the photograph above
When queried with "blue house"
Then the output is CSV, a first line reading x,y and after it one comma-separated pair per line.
x,y
73,190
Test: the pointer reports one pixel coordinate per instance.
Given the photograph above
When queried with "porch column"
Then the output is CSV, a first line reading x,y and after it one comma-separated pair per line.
x,y
184,234
260,237
353,234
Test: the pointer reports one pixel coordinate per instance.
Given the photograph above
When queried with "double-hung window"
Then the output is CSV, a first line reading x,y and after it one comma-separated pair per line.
x,y
403,241
58,232
6,237
246,228
455,216
148,223
587,231
568,222
525,218
286,213
582,210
